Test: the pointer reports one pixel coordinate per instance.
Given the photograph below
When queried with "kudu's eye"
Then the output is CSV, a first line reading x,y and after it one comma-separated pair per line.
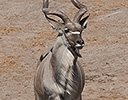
x,y
66,30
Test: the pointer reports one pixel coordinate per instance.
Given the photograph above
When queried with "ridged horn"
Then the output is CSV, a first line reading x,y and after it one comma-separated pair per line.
x,y
47,11
82,10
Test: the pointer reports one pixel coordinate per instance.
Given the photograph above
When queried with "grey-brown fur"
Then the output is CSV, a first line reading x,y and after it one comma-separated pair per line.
x,y
59,75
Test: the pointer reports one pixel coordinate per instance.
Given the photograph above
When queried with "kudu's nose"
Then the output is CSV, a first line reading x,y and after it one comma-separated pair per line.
x,y
80,44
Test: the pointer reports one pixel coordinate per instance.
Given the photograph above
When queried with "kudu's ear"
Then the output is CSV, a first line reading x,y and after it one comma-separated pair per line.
x,y
84,21
54,24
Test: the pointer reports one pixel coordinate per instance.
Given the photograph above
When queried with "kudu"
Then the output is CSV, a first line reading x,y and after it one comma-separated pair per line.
x,y
59,75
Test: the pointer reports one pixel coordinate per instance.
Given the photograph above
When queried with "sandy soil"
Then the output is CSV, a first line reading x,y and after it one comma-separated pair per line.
x,y
25,34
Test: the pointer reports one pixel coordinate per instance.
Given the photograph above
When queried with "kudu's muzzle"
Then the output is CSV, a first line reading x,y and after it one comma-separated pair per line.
x,y
80,44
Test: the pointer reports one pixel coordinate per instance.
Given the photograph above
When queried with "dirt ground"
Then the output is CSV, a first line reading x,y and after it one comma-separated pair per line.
x,y
25,34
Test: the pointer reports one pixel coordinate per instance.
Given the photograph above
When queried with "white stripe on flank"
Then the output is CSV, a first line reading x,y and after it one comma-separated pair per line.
x,y
75,32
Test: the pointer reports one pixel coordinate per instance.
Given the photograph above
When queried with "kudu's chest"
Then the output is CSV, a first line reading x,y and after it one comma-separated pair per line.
x,y
66,73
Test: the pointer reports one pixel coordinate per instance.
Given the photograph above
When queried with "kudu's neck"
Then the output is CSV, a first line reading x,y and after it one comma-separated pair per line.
x,y
62,50
63,63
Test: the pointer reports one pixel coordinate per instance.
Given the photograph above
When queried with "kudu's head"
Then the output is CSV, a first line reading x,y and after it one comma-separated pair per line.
x,y
72,30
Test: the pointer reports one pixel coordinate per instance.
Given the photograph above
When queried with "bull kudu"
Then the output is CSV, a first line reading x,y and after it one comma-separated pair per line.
x,y
59,76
